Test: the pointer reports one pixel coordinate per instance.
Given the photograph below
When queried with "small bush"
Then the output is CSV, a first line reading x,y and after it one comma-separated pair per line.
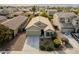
x,y
57,43
50,49
42,47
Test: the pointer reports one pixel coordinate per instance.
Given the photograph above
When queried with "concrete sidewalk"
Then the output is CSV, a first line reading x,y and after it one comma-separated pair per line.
x,y
72,41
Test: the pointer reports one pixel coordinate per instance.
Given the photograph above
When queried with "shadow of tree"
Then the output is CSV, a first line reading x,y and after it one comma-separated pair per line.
x,y
8,46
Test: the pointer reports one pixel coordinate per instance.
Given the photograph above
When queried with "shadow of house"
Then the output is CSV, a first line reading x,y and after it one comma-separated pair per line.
x,y
68,45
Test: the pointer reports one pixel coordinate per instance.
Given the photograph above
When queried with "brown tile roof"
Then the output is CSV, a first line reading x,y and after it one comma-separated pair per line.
x,y
15,22
43,20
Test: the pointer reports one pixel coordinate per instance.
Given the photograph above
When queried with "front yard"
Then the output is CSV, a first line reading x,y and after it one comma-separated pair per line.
x,y
54,43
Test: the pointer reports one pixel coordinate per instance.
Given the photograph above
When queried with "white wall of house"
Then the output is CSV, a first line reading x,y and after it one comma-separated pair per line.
x,y
15,32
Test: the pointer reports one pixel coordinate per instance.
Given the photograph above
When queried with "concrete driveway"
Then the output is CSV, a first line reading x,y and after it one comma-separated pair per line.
x,y
31,43
72,41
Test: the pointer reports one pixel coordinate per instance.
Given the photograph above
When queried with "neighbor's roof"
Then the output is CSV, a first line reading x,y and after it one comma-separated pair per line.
x,y
15,22
40,19
52,10
67,25
18,13
3,18
77,18
65,14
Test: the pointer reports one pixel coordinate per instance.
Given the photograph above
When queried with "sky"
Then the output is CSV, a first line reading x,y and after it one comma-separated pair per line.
x,y
65,5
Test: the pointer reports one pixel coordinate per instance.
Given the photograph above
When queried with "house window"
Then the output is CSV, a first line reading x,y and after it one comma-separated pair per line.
x,y
48,33
62,20
77,22
68,20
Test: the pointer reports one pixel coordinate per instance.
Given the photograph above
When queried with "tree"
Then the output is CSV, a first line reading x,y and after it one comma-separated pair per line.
x,y
50,17
43,13
33,9
6,34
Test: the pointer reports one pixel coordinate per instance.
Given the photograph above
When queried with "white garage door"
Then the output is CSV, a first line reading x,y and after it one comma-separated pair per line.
x,y
33,41
33,33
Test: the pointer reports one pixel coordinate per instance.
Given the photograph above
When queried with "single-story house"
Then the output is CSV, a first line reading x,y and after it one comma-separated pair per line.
x,y
17,24
63,20
39,26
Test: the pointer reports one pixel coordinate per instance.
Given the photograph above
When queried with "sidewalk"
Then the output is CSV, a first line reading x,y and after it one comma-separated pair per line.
x,y
72,41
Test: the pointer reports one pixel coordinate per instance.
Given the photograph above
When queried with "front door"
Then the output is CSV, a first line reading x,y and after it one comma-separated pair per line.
x,y
78,31
42,32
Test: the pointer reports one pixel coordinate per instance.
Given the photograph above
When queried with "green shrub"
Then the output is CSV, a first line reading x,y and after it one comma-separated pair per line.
x,y
50,49
42,47
6,34
44,14
57,43
50,17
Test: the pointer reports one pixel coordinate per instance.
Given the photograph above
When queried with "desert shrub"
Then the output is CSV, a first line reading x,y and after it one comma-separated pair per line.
x,y
57,43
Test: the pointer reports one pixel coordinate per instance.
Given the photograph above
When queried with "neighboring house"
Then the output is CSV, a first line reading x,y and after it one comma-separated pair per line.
x,y
17,24
37,13
18,13
4,12
39,26
2,19
63,20
12,10
51,11
75,22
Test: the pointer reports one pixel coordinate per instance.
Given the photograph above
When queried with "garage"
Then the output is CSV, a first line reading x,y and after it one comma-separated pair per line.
x,y
33,41
33,33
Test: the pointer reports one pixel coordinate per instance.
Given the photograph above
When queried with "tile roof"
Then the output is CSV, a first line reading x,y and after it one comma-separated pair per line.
x,y
40,19
3,18
15,22
65,14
